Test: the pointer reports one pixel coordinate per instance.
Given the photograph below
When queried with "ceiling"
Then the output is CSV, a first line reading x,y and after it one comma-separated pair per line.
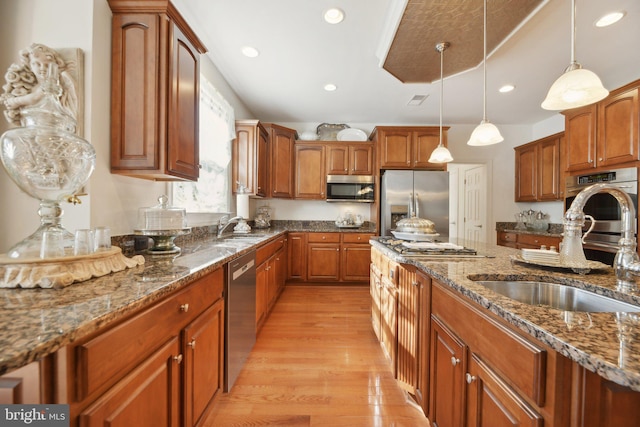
x,y
528,46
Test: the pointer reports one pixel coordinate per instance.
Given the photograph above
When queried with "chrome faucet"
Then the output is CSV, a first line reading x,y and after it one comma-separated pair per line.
x,y
222,228
626,262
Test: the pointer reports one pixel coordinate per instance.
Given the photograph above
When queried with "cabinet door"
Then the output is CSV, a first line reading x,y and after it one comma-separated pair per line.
x,y
149,396
424,341
337,160
282,142
183,155
394,148
389,321
375,288
492,403
323,261
424,142
262,163
243,155
355,262
262,278
310,176
580,134
280,272
447,370
361,159
548,176
408,313
526,173
618,129
204,362
297,256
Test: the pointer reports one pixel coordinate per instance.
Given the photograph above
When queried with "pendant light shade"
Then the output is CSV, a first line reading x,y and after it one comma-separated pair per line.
x,y
576,87
485,133
441,154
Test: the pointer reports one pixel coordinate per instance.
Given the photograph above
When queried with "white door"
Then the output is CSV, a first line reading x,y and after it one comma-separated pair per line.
x,y
454,174
475,204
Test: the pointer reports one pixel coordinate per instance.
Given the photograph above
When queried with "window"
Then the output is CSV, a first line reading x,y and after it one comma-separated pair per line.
x,y
212,192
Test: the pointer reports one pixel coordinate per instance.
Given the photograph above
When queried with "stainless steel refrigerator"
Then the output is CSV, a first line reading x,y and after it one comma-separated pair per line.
x,y
427,190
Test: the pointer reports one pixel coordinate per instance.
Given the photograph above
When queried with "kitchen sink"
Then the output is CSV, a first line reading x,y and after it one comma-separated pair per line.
x,y
557,296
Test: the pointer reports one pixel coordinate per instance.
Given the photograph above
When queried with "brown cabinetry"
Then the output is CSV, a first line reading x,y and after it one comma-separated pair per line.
x,y
330,257
349,158
270,277
250,157
407,147
538,174
162,366
310,172
606,133
527,241
154,92
281,149
30,384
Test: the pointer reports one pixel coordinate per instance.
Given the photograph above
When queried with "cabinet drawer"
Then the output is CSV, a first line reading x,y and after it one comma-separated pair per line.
x,y
266,251
507,237
323,238
107,357
520,363
356,237
538,240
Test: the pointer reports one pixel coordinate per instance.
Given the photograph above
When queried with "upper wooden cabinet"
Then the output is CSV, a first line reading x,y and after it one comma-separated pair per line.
x,y
350,158
606,133
281,149
310,171
407,147
154,92
538,175
250,158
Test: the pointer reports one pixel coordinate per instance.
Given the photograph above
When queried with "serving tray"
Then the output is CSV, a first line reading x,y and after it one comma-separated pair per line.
x,y
591,265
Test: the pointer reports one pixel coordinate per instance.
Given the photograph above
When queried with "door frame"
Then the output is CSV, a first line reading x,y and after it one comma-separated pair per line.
x,y
461,187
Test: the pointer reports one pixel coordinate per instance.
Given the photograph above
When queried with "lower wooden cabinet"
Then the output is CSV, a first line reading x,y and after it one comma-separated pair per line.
x,y
528,241
329,257
30,384
270,277
160,367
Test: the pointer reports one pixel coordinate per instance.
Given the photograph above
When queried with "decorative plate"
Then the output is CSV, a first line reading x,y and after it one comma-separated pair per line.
x,y
352,135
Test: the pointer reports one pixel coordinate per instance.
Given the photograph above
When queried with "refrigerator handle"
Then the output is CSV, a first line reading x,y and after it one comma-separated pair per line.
x,y
417,205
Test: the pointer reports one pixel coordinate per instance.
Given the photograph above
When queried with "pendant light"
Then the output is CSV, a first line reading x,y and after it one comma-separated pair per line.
x,y
485,133
441,154
576,87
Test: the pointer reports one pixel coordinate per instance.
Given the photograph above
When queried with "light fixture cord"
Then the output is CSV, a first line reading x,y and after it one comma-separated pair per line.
x,y
573,31
441,89
484,63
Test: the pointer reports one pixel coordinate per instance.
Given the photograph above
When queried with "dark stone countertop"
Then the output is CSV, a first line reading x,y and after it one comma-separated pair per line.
x,y
590,339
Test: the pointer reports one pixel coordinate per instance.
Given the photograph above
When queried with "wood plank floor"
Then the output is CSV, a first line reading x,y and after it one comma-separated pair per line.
x,y
317,362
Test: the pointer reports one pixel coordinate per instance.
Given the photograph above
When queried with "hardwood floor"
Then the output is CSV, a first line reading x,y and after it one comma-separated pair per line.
x,y
317,363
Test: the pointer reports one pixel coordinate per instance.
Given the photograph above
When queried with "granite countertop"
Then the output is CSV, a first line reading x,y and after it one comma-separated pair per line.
x,y
37,322
590,339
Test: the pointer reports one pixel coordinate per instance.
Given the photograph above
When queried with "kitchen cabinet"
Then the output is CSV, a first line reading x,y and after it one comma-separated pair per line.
x,y
538,174
605,133
250,158
155,98
528,241
310,171
407,147
270,277
281,153
354,158
30,384
160,366
375,289
330,257
389,316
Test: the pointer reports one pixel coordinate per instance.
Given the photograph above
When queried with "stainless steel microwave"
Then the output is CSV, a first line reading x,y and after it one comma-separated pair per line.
x,y
350,188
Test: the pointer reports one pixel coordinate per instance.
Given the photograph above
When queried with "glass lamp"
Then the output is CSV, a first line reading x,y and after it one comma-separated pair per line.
x,y
485,133
576,87
441,154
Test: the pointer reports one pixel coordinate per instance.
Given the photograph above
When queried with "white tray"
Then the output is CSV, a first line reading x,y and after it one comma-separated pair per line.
x,y
591,265
414,237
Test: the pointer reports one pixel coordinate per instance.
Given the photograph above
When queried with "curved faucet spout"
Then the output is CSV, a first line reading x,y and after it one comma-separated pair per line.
x,y
626,262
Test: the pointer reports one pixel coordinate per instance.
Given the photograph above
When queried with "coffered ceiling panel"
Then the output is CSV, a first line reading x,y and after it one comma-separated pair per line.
x,y
412,57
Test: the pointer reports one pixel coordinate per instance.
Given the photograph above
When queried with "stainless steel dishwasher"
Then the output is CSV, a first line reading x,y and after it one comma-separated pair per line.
x,y
240,317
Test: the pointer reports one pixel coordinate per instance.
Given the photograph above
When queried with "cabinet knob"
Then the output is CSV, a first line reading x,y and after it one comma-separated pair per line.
x,y
178,359
192,344
324,237
184,308
414,284
337,249
455,361
470,378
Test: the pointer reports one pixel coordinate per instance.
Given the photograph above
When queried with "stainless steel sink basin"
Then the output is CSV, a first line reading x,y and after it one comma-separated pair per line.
x,y
558,296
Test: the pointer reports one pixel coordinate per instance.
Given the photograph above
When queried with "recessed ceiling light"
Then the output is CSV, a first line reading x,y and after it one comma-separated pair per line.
x,y
330,87
506,88
333,15
250,52
610,18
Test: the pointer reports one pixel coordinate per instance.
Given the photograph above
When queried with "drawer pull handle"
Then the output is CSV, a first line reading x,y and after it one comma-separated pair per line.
x,y
178,359
192,344
454,361
470,378
184,307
